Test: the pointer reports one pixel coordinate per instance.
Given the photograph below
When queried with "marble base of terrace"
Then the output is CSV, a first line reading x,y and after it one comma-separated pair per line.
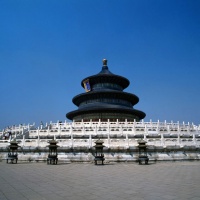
x,y
165,141
84,154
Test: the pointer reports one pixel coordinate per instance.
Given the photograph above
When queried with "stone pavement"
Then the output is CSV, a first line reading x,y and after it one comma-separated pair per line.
x,y
117,181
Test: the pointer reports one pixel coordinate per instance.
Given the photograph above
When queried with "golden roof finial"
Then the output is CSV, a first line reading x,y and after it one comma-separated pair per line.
x,y
104,62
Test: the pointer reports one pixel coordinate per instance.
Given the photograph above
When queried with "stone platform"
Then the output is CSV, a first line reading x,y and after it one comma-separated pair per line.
x,y
74,181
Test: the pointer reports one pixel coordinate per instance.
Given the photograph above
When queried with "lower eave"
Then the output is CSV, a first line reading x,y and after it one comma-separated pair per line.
x,y
78,112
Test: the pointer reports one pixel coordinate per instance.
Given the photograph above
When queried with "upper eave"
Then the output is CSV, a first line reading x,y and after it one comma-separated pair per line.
x,y
107,78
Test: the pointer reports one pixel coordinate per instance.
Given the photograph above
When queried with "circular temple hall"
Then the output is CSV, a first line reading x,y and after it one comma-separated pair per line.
x,y
104,99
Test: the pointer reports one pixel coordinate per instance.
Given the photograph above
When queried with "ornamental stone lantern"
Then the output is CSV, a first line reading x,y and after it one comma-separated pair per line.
x,y
142,152
53,154
99,156
13,149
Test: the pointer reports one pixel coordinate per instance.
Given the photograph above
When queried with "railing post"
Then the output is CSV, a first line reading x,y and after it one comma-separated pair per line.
x,y
23,141
109,136
59,130
38,141
194,139
83,129
90,141
145,133
127,140
72,140
168,128
162,139
48,130
179,139
142,122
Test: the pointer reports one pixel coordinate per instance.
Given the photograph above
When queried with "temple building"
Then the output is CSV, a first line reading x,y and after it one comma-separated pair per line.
x,y
105,99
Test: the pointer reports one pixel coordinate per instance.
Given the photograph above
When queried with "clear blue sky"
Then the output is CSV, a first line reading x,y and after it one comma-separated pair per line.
x,y
48,46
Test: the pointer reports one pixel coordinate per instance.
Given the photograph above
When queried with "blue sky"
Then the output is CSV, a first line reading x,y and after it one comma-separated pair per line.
x,y
48,46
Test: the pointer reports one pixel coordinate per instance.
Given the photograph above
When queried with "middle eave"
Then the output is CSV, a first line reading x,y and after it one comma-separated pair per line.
x,y
133,99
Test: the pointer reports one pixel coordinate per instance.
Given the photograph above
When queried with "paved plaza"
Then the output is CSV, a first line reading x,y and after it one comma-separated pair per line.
x,y
117,181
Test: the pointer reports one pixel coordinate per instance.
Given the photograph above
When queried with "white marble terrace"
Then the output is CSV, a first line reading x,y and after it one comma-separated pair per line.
x,y
114,134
